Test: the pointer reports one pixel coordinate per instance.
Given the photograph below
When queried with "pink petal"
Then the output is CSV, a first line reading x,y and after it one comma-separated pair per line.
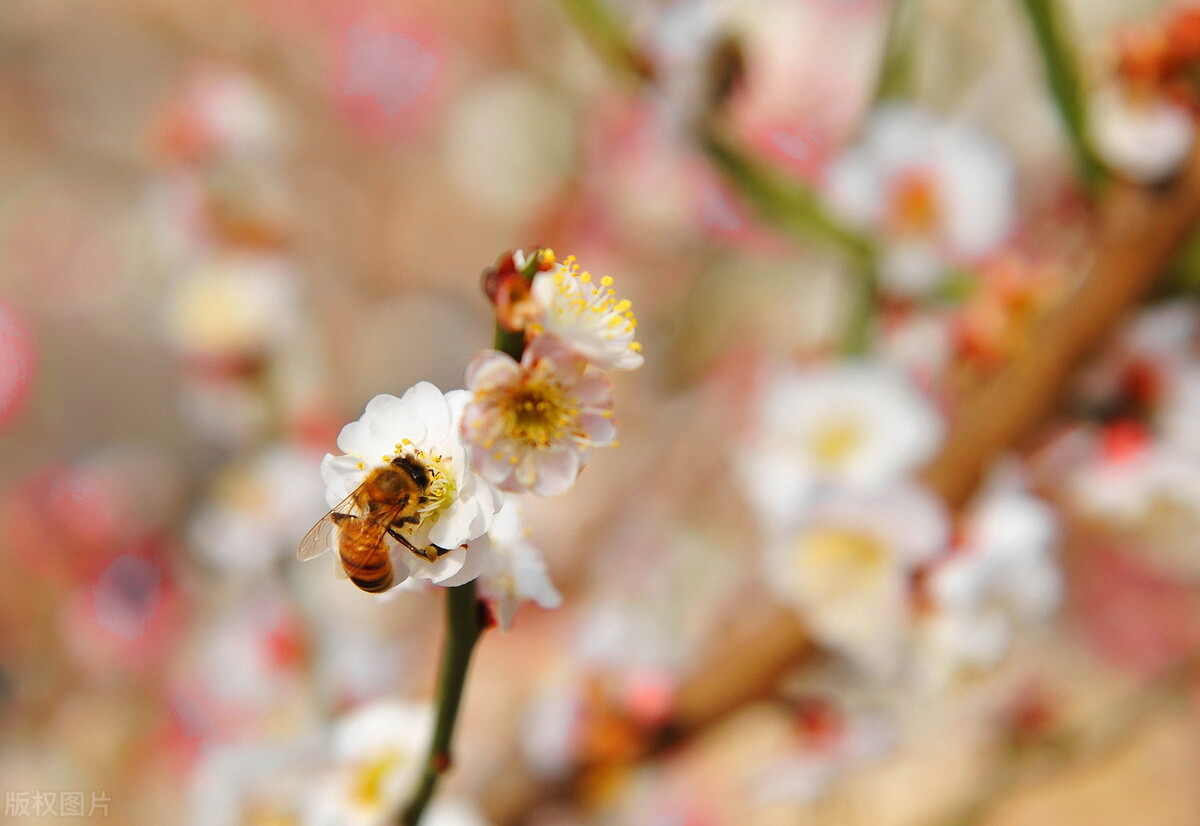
x,y
594,390
600,431
490,369
557,470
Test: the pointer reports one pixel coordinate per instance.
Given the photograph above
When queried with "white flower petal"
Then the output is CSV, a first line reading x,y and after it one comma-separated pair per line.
x,y
556,471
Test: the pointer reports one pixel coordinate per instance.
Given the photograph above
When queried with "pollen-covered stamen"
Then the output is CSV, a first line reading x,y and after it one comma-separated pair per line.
x,y
441,491
579,299
537,411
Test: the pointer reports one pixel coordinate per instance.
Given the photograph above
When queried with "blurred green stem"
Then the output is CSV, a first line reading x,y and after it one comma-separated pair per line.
x,y
896,69
463,626
597,22
788,203
859,327
1066,86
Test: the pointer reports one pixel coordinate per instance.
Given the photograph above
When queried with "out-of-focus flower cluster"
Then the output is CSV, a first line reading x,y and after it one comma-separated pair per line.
x,y
228,226
1144,119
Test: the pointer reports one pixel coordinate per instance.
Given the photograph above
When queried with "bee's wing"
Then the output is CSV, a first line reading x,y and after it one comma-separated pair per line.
x,y
323,535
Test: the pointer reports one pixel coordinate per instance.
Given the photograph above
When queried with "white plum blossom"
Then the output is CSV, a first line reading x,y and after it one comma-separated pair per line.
x,y
681,39
936,193
235,305
452,812
250,520
531,425
233,113
241,783
855,426
1004,572
1150,493
1144,136
586,314
846,568
515,571
379,753
423,424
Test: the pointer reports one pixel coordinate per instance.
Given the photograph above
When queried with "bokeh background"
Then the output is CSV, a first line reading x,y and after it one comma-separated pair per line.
x,y
225,225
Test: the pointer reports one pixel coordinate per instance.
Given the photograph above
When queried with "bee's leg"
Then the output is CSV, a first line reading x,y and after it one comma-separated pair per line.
x,y
339,518
432,553
403,541
441,551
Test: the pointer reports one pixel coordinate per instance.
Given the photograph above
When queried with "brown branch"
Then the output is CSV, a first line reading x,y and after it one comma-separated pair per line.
x,y
1138,231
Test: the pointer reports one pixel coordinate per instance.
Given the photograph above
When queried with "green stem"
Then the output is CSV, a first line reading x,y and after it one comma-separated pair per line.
x,y
862,313
896,69
463,628
1066,87
790,204
607,37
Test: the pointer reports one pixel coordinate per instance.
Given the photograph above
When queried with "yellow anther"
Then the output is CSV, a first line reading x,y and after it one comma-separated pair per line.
x,y
606,281
622,306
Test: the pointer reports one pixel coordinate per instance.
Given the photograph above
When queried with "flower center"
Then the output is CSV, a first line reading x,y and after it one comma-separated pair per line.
x,y
537,412
838,560
835,441
370,779
914,207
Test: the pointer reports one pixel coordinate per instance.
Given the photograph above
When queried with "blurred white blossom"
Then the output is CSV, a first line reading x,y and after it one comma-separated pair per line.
x,y
257,510
515,571
1146,137
379,753
233,306
936,193
1003,573
847,565
854,426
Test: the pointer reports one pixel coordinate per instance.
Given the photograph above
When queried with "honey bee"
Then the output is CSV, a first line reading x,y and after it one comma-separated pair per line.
x,y
388,499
